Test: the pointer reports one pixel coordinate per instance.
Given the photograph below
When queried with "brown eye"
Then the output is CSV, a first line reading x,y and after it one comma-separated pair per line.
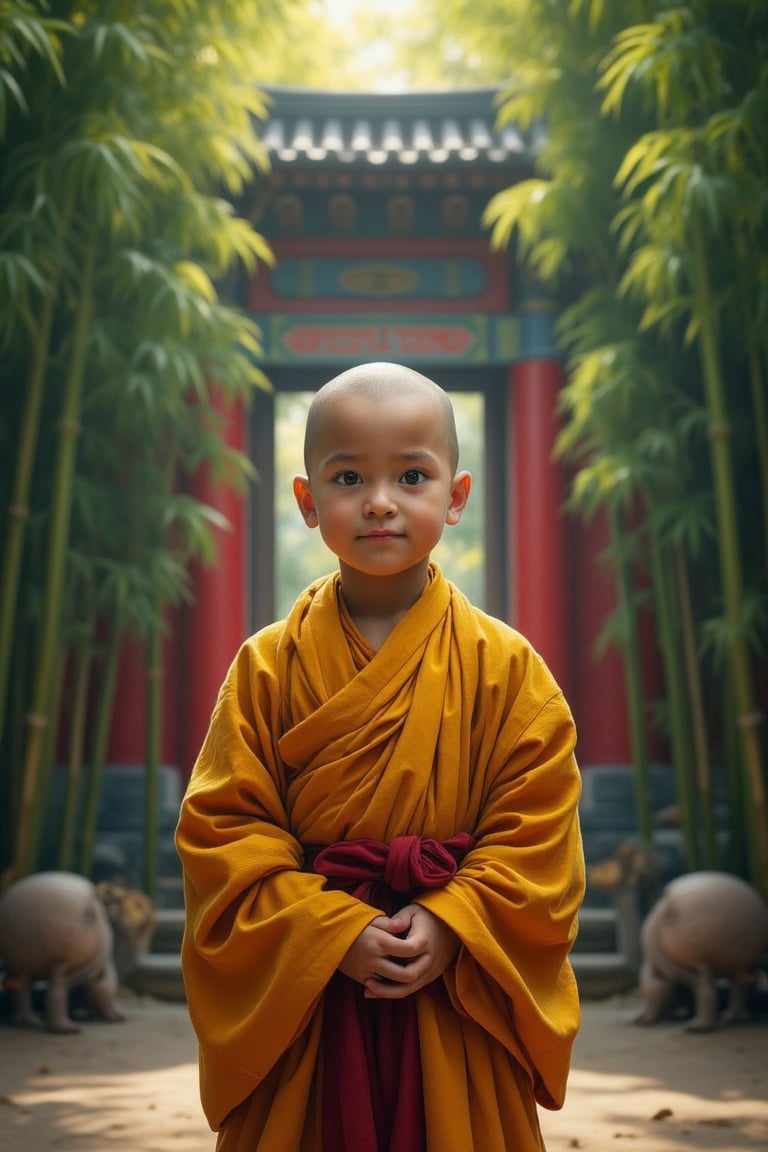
x,y
347,479
412,476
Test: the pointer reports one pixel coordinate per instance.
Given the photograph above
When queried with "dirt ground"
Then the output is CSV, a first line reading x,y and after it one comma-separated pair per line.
x,y
132,1087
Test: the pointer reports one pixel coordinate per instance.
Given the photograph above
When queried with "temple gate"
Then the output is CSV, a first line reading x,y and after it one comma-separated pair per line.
x,y
374,208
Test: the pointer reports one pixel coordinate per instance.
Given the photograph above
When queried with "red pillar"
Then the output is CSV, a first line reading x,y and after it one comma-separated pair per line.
x,y
599,699
171,669
538,560
127,732
216,622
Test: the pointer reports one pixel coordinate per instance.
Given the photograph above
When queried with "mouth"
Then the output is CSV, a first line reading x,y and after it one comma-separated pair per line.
x,y
381,536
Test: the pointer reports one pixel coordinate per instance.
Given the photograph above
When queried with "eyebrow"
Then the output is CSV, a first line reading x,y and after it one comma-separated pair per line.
x,y
414,456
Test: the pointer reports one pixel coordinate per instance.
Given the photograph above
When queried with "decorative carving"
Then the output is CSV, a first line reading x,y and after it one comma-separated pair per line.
x,y
342,213
454,212
290,212
401,210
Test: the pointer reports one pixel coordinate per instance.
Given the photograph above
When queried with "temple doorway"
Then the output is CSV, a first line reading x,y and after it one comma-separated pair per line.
x,y
286,557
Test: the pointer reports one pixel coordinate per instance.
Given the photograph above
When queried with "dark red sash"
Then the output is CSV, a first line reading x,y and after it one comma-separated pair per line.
x,y
372,1092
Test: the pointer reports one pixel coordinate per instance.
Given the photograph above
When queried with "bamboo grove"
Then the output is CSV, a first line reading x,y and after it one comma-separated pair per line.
x,y
126,131
649,213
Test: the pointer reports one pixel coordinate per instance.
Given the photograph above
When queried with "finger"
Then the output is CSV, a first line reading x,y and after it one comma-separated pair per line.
x,y
399,950
397,925
395,971
386,924
376,989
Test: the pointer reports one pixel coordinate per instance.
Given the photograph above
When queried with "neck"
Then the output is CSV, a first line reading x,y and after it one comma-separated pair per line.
x,y
377,603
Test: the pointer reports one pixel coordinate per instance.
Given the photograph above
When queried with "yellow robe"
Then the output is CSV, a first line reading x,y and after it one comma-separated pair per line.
x,y
454,725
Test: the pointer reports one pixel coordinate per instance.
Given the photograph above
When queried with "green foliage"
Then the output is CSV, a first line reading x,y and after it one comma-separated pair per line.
x,y
126,133
647,212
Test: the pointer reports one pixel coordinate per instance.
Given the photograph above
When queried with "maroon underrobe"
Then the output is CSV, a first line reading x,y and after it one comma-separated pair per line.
x,y
372,1090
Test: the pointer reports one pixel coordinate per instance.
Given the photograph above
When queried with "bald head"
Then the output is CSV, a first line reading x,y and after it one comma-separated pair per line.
x,y
382,381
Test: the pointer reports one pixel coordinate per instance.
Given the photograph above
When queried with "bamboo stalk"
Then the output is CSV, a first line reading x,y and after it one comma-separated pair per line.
x,y
100,742
748,719
634,687
153,754
38,718
678,711
755,345
83,664
760,410
18,509
699,739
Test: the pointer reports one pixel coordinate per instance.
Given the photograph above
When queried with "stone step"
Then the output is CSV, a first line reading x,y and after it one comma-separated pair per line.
x,y
598,931
599,968
158,974
602,974
598,975
169,930
169,892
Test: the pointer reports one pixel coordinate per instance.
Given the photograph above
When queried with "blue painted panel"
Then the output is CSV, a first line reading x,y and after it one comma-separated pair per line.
x,y
537,336
379,278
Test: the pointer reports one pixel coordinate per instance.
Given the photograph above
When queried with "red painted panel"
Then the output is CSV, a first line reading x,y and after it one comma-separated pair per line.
x,y
539,540
399,341
127,734
497,297
171,713
215,624
599,700
128,728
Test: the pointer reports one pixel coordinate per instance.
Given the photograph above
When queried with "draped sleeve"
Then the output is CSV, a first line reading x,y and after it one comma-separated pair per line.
x,y
515,900
262,936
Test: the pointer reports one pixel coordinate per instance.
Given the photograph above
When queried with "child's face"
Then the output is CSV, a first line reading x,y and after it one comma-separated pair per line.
x,y
381,486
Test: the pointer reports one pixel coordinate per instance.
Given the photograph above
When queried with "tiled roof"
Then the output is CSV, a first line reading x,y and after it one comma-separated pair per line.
x,y
308,128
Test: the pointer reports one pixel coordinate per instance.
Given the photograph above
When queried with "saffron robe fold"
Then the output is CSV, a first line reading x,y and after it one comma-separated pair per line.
x,y
454,726
372,1084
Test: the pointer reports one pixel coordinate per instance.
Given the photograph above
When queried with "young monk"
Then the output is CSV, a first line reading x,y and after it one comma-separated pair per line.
x,y
380,840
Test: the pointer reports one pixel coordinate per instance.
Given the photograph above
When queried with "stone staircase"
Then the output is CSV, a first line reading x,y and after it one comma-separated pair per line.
x,y
158,970
605,956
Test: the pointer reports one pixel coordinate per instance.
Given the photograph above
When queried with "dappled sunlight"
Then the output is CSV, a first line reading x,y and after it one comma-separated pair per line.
x,y
133,1087
86,1111
652,1086
129,1087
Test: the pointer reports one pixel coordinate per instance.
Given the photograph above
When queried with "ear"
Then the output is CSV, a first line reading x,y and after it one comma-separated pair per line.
x,y
305,501
462,482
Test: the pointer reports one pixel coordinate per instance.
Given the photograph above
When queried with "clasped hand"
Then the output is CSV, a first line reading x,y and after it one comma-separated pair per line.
x,y
395,956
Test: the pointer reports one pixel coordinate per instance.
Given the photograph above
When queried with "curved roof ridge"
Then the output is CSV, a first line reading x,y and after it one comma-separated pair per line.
x,y
456,127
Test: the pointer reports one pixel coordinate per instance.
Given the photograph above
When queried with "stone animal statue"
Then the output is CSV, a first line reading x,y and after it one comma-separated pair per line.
x,y
132,916
631,865
705,927
54,927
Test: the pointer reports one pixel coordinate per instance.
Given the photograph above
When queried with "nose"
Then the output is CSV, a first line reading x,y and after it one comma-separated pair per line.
x,y
379,501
